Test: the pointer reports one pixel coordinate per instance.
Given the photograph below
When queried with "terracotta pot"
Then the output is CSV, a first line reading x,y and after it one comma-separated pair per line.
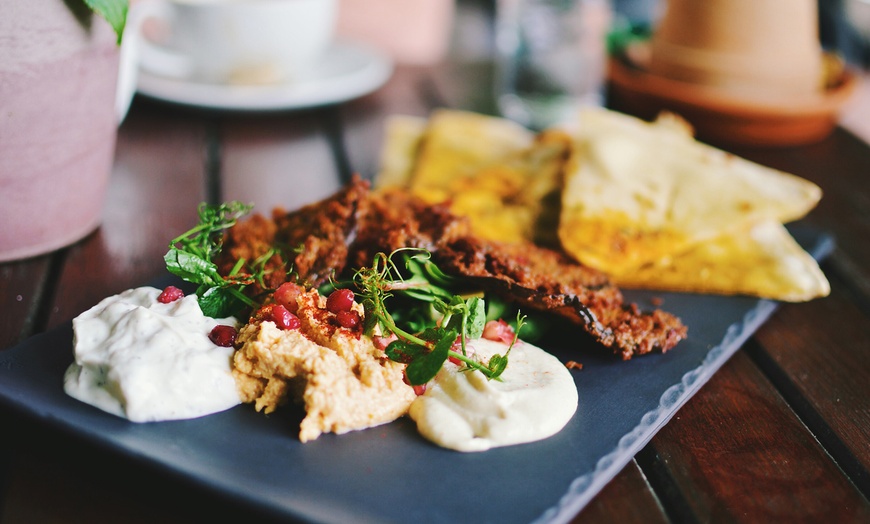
x,y
58,71
724,119
757,48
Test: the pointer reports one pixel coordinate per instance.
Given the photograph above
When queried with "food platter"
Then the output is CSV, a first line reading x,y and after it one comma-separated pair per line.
x,y
390,473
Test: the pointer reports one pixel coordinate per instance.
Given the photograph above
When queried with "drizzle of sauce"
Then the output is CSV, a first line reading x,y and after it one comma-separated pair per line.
x,y
146,361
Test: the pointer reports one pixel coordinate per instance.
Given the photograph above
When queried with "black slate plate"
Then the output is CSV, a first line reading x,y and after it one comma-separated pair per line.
x,y
389,473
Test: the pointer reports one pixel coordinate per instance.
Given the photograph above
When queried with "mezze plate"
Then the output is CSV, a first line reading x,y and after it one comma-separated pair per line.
x,y
390,473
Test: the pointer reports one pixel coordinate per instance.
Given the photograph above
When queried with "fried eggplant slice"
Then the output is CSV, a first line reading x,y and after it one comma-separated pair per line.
x,y
547,280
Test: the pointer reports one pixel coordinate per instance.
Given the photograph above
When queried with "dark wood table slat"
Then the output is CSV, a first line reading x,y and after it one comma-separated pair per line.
x,y
22,285
277,161
828,369
627,499
737,452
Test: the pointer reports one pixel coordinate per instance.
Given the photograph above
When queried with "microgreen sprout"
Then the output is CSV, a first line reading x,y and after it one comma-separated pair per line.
x,y
426,351
191,256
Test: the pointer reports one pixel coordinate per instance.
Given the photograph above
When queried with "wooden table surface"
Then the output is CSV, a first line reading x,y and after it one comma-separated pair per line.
x,y
780,433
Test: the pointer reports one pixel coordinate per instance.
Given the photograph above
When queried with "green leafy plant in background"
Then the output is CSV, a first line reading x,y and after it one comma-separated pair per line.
x,y
114,11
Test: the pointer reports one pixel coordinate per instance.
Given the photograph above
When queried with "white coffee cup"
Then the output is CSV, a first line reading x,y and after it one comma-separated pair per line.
x,y
236,41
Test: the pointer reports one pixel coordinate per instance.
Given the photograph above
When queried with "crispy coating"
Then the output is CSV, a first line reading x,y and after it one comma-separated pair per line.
x,y
347,230
317,237
249,240
394,219
547,280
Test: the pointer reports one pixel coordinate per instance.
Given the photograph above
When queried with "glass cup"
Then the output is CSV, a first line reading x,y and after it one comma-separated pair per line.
x,y
551,57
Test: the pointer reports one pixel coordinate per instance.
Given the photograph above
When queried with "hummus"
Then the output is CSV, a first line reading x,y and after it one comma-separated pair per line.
x,y
344,382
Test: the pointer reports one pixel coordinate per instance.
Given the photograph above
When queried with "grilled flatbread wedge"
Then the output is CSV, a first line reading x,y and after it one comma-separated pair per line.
x,y
504,178
638,192
461,143
403,135
763,260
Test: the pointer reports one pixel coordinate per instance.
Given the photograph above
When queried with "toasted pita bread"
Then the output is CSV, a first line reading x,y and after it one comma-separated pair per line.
x,y
402,138
459,144
505,179
637,192
763,260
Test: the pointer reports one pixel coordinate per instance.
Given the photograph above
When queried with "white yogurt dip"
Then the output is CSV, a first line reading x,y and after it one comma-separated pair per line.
x,y
147,361
465,411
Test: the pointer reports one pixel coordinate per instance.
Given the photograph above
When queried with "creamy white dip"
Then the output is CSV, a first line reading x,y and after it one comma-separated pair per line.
x,y
147,361
465,411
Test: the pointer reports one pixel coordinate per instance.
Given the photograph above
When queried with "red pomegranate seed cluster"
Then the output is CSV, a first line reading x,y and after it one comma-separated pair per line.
x,y
286,295
170,294
340,300
340,303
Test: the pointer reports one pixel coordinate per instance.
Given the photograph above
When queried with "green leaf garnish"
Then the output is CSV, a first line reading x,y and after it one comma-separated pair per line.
x,y
426,349
114,11
424,368
498,363
191,256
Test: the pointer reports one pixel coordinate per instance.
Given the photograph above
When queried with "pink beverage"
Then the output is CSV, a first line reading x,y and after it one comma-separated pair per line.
x,y
57,125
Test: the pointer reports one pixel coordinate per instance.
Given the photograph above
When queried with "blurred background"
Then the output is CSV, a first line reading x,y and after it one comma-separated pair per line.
x,y
844,25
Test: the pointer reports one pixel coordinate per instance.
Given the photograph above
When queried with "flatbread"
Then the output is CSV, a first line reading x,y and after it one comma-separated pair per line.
x,y
403,135
762,260
643,202
504,178
636,192
461,143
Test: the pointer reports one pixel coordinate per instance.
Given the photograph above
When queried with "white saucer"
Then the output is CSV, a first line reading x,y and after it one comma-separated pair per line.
x,y
349,70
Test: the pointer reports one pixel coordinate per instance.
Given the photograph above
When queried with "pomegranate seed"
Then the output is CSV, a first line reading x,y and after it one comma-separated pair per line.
x,y
419,389
382,342
348,319
339,300
170,294
457,347
286,295
498,331
224,336
284,319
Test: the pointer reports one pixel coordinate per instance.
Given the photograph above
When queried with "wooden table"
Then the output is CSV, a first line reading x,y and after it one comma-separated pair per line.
x,y
781,433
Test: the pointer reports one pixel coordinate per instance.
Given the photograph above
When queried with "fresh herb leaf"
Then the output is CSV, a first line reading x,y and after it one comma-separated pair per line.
x,y
114,11
191,256
498,363
424,350
191,267
425,367
221,302
404,352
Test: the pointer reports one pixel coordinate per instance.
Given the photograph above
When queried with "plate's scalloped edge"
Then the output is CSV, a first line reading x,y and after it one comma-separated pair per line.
x,y
585,487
